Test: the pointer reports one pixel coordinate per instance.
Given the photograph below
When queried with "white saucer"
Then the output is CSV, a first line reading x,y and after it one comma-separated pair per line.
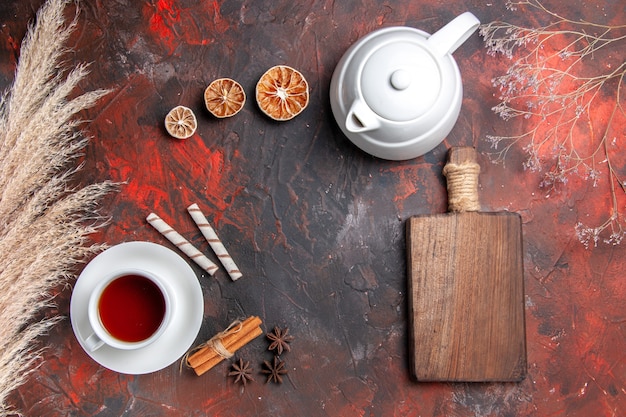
x,y
186,320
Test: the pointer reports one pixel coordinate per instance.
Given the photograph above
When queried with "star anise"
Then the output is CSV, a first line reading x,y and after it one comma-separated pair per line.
x,y
241,371
275,370
280,339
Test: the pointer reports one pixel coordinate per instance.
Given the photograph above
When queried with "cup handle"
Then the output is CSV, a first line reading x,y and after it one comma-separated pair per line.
x,y
93,342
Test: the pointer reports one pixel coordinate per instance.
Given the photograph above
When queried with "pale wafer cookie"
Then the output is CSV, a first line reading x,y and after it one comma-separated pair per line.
x,y
181,243
215,243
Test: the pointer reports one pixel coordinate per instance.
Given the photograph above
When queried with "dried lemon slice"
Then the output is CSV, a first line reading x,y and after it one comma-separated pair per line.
x,y
224,97
282,92
180,122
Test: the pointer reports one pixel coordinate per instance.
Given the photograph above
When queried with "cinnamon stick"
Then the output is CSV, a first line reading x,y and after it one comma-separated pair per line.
x,y
233,339
199,370
207,352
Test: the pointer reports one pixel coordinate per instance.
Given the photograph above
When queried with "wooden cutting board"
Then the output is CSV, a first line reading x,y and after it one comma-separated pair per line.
x,y
466,286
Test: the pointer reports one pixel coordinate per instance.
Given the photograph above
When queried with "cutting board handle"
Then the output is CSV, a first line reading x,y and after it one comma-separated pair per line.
x,y
461,172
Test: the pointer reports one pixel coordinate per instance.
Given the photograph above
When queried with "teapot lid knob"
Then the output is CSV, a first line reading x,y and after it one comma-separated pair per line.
x,y
400,79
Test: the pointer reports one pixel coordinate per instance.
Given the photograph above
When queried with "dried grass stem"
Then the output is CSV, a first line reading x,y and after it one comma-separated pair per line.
x,y
44,224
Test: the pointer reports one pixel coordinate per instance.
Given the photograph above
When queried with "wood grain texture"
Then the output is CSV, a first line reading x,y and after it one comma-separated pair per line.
x,y
466,297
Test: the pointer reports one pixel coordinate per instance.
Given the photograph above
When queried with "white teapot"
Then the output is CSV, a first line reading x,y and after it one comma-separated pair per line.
x,y
396,93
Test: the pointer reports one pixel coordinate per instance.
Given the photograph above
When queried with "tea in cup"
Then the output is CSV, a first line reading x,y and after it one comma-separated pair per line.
x,y
128,310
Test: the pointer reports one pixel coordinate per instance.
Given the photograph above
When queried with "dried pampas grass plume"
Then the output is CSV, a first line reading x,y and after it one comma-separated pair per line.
x,y
44,223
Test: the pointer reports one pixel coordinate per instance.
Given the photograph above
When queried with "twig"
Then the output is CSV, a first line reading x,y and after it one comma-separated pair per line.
x,y
556,83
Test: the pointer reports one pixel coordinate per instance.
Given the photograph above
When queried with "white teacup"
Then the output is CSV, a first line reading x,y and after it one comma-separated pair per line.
x,y
129,309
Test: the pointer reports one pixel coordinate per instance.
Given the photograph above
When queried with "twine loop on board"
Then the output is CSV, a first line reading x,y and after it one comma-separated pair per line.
x,y
462,186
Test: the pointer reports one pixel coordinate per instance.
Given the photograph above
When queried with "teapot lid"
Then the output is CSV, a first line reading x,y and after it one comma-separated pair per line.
x,y
400,81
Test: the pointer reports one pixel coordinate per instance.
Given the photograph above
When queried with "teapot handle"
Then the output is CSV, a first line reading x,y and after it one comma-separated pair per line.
x,y
452,35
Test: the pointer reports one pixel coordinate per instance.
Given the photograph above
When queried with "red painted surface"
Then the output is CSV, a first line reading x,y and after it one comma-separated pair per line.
x,y
317,226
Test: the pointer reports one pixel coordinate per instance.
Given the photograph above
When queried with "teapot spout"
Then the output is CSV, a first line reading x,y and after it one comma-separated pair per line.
x,y
361,118
447,39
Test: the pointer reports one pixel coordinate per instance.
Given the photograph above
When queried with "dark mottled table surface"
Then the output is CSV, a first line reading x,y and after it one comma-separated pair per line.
x,y
316,225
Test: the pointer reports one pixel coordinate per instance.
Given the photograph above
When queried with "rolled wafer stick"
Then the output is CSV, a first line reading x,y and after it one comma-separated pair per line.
x,y
215,243
181,243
